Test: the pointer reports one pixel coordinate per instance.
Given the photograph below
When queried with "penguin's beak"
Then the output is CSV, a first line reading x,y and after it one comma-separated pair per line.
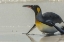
x,y
29,6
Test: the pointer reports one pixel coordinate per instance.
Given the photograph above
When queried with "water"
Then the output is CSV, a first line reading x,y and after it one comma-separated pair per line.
x,y
18,37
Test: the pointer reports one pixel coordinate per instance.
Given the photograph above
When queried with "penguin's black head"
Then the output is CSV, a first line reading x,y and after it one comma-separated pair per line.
x,y
35,8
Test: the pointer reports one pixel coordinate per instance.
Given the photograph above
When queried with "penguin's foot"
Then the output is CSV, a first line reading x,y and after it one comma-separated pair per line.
x,y
62,33
51,34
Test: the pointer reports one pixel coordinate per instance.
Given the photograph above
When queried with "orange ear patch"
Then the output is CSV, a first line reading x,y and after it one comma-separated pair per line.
x,y
38,9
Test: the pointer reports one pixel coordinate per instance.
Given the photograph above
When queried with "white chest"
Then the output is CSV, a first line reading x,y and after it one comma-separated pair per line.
x,y
45,28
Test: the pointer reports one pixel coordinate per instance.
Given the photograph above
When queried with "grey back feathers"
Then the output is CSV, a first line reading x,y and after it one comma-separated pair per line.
x,y
52,16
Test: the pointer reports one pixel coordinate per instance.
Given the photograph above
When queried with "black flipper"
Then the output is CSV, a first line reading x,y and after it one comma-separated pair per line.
x,y
62,28
31,28
59,29
50,23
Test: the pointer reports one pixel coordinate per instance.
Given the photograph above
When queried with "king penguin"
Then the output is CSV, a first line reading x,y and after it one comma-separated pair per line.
x,y
44,22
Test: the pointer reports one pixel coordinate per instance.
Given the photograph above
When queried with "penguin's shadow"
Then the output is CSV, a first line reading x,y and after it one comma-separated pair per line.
x,y
56,38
